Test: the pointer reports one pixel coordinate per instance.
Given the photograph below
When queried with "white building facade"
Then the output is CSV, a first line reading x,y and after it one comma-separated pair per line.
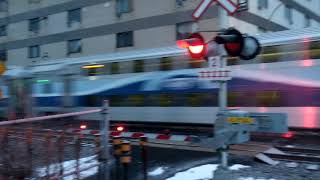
x,y
40,30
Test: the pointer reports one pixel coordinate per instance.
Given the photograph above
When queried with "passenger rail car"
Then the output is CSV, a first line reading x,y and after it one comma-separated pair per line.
x,y
161,85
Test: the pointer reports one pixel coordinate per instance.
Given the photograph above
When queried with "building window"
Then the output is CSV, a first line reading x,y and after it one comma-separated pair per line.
x,y
34,25
243,5
262,4
125,39
288,14
74,16
307,21
3,5
3,30
34,51
3,55
124,6
74,46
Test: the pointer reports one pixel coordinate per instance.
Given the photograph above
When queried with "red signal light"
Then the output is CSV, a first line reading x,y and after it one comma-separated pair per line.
x,y
120,128
288,135
195,45
83,126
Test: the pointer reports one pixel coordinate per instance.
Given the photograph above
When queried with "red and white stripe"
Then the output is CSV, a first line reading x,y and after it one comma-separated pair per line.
x,y
135,135
202,7
228,5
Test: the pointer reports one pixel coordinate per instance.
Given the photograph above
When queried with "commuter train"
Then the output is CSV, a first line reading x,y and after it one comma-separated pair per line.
x,y
162,86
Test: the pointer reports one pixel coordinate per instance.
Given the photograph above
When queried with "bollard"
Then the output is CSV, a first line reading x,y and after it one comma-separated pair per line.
x,y
78,150
116,142
61,141
99,149
5,153
125,158
144,156
48,143
98,145
29,136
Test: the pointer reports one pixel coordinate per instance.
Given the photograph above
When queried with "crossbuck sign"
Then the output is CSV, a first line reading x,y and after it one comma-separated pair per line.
x,y
228,5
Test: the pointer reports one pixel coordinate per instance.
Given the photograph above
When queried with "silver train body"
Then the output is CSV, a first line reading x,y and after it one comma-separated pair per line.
x,y
285,78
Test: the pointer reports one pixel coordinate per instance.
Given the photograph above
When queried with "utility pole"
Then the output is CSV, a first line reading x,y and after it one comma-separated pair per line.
x,y
223,24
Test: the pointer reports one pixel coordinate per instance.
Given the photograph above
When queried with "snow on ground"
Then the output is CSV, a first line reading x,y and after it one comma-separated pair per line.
x,y
196,173
205,172
157,171
69,166
236,167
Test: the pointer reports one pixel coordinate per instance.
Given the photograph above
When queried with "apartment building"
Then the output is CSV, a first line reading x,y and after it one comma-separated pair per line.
x,y
34,31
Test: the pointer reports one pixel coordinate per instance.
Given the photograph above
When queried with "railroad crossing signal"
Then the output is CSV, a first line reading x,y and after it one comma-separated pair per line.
x,y
195,44
228,5
235,44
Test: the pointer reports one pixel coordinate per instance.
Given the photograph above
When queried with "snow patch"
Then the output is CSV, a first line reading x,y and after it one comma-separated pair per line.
x,y
157,171
236,167
196,173
69,166
290,146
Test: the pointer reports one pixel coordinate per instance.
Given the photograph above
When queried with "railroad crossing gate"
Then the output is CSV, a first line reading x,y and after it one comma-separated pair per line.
x,y
234,127
271,122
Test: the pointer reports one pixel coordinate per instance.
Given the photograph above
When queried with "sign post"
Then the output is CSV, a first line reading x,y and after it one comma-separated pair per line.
x,y
223,23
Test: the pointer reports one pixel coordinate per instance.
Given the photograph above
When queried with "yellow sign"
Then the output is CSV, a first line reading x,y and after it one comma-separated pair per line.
x,y
3,68
240,120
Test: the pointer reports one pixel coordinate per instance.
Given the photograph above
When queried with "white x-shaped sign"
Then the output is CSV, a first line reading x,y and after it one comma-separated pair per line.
x,y
228,5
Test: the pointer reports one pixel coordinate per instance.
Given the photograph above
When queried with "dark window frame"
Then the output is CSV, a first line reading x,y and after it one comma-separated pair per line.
x,y
263,4
74,15
3,55
34,25
31,52
3,30
120,8
70,49
125,39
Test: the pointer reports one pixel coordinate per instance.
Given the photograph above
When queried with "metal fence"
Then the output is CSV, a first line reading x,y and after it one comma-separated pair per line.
x,y
51,147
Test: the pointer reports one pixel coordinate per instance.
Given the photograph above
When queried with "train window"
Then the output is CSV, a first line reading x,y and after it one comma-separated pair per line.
x,y
196,63
47,88
210,99
138,66
125,67
118,101
165,100
270,54
194,100
235,98
233,61
268,98
314,49
136,100
93,101
115,68
165,64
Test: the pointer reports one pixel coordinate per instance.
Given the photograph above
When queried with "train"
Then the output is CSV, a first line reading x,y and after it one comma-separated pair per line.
x,y
162,85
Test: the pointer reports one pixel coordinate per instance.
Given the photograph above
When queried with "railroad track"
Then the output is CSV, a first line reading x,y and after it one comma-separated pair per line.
x,y
251,148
